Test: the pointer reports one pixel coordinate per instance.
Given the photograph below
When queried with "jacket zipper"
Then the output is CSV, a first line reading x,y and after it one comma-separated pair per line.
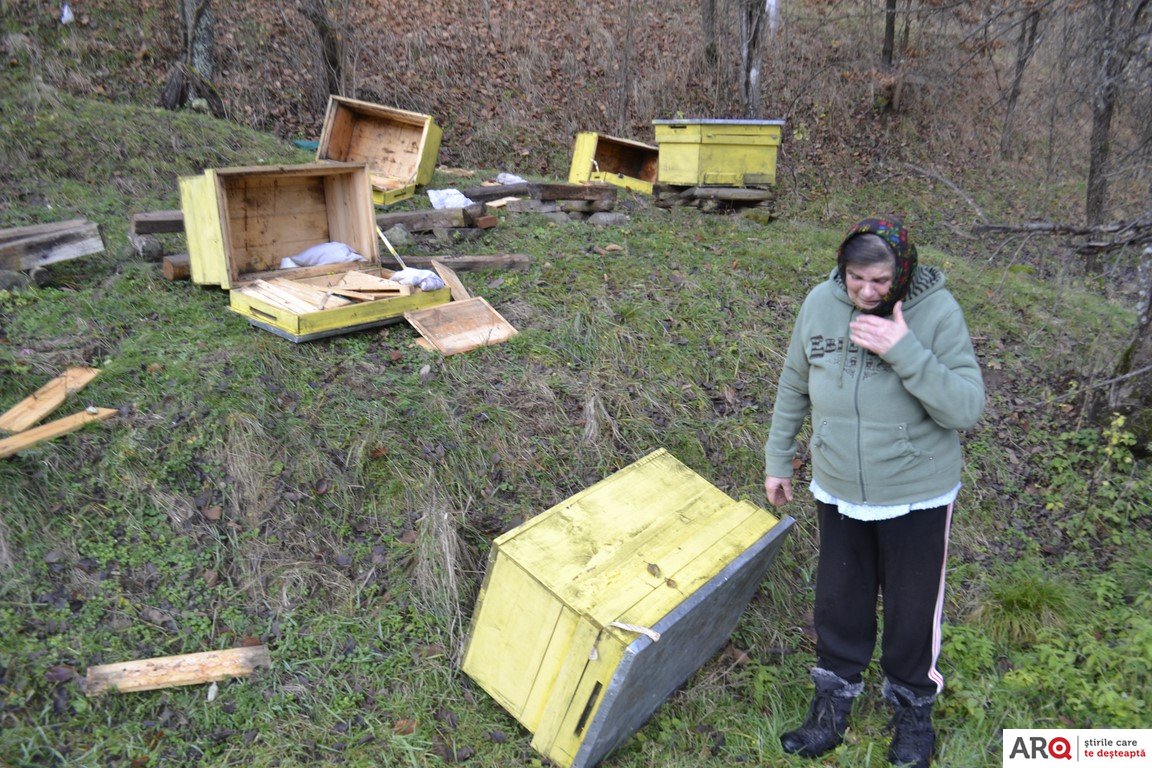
x,y
859,429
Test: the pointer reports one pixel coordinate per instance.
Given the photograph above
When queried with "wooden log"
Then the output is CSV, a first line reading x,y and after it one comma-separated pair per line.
x,y
497,191
156,222
423,220
46,399
31,437
177,266
485,222
26,248
574,192
170,671
511,261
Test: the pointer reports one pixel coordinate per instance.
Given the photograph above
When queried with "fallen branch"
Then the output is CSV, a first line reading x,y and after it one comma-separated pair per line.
x,y
169,671
938,177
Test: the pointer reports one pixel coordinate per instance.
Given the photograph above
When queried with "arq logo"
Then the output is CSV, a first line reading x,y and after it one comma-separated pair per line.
x,y
1041,748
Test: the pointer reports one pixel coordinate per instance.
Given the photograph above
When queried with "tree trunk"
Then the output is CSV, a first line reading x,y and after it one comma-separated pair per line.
x,y
331,48
889,33
1131,394
708,24
1025,47
753,14
199,28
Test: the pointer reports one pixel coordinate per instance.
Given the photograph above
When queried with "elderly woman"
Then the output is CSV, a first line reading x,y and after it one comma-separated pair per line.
x,y
882,359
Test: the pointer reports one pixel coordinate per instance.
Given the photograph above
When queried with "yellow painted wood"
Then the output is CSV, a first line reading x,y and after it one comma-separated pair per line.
x,y
620,162
326,320
720,152
631,548
199,202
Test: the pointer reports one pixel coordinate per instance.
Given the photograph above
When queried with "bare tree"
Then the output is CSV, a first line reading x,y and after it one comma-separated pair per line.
x,y
1119,25
708,26
753,21
889,33
1025,47
331,37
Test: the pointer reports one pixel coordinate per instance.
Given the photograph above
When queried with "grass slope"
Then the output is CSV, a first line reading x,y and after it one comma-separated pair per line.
x,y
336,499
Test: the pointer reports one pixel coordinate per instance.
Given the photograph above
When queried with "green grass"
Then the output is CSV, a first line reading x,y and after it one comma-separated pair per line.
x,y
334,464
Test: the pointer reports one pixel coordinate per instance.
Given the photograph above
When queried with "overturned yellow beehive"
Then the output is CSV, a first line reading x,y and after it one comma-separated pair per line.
x,y
594,612
718,152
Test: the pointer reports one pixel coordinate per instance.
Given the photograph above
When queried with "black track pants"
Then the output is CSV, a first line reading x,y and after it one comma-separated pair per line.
x,y
903,559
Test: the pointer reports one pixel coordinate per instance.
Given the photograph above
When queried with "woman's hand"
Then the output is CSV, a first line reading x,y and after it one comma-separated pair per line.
x,y
778,489
877,334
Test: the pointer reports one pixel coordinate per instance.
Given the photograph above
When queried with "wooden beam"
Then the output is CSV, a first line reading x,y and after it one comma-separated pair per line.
x,y
46,399
25,248
177,266
511,261
734,194
424,220
170,671
497,191
31,437
156,222
599,192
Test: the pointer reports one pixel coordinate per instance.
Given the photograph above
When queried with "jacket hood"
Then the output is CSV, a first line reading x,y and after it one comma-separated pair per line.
x,y
892,231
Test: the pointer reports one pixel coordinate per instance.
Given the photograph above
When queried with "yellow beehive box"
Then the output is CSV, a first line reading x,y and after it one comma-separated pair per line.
x,y
399,147
592,613
735,153
629,164
241,223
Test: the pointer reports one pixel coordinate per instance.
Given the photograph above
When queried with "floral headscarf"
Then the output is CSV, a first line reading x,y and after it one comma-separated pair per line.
x,y
892,231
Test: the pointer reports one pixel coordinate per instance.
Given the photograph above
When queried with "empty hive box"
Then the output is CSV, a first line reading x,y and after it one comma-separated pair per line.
x,y
241,223
718,152
592,613
625,163
399,147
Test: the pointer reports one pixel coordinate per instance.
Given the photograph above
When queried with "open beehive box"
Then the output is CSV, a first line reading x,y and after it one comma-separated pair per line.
x,y
592,613
242,222
399,147
734,153
625,163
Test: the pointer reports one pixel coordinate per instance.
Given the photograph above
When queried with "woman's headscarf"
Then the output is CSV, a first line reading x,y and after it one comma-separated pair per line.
x,y
891,230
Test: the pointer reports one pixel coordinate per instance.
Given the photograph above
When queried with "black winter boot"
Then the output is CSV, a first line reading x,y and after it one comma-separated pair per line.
x,y
827,718
914,739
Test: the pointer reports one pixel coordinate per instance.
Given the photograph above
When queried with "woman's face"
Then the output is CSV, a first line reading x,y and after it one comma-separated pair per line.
x,y
869,284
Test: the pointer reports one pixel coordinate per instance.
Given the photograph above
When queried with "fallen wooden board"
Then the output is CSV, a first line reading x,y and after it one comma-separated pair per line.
x,y
459,292
26,248
170,671
46,399
483,194
588,192
321,298
31,437
513,261
734,194
461,326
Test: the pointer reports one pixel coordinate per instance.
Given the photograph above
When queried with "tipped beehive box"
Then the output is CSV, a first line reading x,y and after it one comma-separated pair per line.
x,y
399,147
241,223
629,164
592,613
734,153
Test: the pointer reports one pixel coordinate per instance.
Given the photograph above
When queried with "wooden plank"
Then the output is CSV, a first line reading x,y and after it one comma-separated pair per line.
x,y
485,222
156,222
461,326
177,266
424,220
26,248
286,297
46,399
733,194
170,671
31,437
320,297
459,292
462,263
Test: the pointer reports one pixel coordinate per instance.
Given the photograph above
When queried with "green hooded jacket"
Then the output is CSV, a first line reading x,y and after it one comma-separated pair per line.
x,y
884,430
